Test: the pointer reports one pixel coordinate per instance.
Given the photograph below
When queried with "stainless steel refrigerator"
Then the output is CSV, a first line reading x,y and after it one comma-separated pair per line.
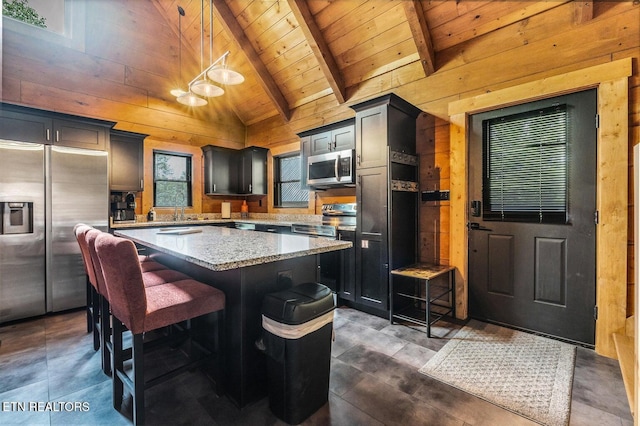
x,y
44,191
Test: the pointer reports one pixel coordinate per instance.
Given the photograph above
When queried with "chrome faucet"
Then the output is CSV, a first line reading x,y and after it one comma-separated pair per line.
x,y
175,212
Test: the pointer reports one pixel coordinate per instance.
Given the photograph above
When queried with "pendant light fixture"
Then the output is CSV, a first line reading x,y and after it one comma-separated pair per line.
x,y
201,87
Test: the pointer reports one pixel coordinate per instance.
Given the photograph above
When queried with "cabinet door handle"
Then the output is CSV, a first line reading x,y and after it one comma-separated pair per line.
x,y
57,135
329,145
214,187
48,134
250,187
141,183
358,159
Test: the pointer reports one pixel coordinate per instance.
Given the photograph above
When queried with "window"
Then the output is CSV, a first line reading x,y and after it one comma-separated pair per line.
x,y
526,166
171,179
288,191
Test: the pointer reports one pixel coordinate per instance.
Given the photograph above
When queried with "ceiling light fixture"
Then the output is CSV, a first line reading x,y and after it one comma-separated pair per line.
x,y
200,87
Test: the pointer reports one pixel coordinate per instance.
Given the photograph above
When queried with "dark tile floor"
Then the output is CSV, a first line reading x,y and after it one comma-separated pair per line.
x,y
374,381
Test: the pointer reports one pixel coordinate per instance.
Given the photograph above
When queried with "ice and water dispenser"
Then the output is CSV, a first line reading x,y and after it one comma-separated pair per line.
x,y
17,217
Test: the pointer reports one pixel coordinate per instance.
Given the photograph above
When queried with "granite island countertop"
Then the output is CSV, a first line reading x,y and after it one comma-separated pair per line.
x,y
219,249
209,221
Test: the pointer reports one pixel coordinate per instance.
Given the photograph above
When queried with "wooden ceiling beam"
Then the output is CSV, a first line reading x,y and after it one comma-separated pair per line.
x,y
582,12
319,46
420,30
233,28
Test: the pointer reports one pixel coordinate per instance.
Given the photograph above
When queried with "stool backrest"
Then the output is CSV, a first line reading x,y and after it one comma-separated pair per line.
x,y
123,278
80,231
90,238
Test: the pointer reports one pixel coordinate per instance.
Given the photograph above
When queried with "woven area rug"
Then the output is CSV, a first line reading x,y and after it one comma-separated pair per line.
x,y
524,373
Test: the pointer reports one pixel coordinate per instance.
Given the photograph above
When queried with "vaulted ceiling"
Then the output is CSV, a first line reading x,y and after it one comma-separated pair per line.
x,y
293,52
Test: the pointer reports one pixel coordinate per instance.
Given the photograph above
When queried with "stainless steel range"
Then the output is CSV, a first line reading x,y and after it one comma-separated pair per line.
x,y
335,218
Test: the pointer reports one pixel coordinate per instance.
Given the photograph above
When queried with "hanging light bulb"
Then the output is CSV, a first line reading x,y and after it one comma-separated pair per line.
x,y
177,92
223,75
205,88
191,99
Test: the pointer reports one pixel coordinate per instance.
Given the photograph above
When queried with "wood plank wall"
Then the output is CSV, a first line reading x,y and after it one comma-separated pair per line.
x,y
114,71
547,44
101,77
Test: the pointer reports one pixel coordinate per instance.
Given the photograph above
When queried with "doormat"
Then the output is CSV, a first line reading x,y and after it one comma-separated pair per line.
x,y
521,372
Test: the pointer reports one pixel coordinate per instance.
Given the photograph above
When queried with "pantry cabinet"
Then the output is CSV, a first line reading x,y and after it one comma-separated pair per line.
x,y
386,196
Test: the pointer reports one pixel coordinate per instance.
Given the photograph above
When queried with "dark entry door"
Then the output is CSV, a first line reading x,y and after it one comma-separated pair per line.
x,y
532,182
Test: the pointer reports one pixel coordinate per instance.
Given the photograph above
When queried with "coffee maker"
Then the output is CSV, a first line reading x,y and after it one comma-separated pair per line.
x,y
124,211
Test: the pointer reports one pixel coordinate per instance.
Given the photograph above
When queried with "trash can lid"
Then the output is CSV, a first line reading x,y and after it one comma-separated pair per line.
x,y
298,304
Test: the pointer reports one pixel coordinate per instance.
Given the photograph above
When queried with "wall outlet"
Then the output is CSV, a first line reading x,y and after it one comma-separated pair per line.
x,y
435,195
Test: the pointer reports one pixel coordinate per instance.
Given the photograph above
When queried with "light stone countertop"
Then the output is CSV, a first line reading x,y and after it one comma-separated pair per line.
x,y
220,249
212,221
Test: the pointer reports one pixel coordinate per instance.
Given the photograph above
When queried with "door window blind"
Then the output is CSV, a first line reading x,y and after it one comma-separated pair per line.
x,y
526,166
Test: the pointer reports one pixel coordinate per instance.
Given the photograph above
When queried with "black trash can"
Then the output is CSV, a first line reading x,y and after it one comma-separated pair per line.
x,y
298,326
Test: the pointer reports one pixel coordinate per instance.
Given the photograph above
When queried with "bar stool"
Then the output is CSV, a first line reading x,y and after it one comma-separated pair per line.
x,y
156,274
142,309
93,297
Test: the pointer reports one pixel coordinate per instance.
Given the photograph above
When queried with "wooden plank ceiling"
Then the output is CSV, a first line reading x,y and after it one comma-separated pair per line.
x,y
293,52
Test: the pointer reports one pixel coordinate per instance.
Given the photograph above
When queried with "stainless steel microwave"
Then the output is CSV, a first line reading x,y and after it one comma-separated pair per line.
x,y
331,169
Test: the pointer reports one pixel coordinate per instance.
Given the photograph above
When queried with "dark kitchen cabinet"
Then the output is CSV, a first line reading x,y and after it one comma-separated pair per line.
x,y
220,170
305,152
233,172
337,269
372,256
337,139
384,124
332,137
37,126
17,126
347,285
77,134
386,197
126,158
253,171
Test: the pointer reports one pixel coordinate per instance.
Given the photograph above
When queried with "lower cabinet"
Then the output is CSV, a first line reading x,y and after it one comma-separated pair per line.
x,y
337,269
372,252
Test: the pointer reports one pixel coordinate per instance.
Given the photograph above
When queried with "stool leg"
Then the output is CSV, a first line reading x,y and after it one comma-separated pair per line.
x,y
117,362
89,306
138,379
105,335
95,317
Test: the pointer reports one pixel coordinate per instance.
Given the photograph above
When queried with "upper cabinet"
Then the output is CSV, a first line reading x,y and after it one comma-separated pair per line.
x,y
220,170
37,126
17,126
333,137
387,123
232,172
79,134
252,171
126,157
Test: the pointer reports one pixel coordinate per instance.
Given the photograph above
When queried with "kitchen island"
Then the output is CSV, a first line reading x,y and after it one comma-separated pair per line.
x,y
246,265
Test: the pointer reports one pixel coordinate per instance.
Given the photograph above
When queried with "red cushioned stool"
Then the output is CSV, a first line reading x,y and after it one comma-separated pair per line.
x,y
142,309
